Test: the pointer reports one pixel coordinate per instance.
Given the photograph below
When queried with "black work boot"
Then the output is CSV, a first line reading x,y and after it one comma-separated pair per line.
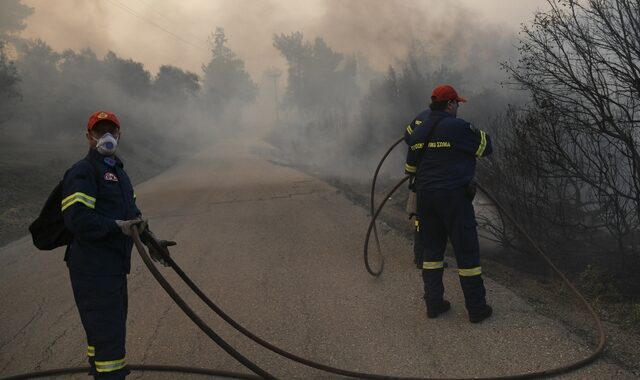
x,y
481,315
434,311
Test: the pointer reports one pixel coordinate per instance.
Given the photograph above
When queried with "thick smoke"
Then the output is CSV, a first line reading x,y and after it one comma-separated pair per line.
x,y
410,48
422,41
423,37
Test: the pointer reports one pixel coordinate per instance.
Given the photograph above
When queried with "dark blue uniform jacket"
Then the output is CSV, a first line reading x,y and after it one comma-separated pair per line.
x,y
448,160
96,192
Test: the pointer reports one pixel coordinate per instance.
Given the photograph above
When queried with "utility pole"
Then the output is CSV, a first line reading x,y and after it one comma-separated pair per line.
x,y
274,73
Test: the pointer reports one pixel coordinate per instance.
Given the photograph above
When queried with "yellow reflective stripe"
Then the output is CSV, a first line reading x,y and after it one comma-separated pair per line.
x,y
477,271
110,366
91,351
418,122
410,169
433,264
483,144
77,194
78,197
409,130
417,224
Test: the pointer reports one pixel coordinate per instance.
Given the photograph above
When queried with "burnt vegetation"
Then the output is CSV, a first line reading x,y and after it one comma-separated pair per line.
x,y
567,164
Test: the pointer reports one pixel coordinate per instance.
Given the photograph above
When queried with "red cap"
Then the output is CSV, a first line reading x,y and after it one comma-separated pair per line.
x,y
100,116
445,92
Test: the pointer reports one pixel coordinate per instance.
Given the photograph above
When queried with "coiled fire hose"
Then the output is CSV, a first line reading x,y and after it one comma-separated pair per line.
x,y
262,373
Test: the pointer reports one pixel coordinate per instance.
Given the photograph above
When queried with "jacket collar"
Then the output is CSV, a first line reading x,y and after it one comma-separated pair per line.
x,y
440,113
97,157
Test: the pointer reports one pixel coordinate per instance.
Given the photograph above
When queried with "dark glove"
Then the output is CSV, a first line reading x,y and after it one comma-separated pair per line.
x,y
159,251
161,255
470,190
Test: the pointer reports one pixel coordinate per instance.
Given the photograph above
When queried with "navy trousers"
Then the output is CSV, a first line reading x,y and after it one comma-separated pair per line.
x,y
102,303
449,216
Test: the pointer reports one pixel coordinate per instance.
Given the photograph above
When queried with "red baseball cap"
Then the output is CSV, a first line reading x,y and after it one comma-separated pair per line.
x,y
100,116
445,92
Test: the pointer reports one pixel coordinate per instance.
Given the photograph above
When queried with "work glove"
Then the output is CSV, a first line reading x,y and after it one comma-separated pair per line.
x,y
126,226
412,201
158,254
412,204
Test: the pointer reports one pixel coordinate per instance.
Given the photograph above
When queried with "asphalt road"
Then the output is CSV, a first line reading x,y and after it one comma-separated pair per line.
x,y
280,251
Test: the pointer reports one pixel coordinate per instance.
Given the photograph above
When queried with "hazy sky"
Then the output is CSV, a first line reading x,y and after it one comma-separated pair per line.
x,y
380,29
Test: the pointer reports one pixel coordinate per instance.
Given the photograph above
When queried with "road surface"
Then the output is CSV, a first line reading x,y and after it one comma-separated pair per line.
x,y
280,251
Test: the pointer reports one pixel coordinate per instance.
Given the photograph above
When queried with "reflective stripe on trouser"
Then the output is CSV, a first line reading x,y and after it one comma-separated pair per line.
x,y
102,304
449,216
109,366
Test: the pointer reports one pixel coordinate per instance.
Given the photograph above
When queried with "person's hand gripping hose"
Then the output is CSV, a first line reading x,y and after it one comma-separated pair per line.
x,y
159,252
126,226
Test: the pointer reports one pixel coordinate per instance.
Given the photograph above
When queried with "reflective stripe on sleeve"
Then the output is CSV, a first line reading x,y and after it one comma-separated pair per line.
x,y
91,351
483,144
409,168
78,197
433,265
110,366
409,130
477,271
417,224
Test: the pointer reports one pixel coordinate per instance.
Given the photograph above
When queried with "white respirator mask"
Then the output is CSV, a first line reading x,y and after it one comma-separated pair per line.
x,y
106,144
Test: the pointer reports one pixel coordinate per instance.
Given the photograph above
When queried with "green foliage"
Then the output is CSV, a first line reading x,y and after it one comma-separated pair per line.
x,y
320,80
176,84
8,76
60,90
225,81
9,81
12,15
127,75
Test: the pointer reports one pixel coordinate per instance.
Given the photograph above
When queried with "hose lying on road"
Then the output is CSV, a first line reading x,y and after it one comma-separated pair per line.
x,y
503,213
262,373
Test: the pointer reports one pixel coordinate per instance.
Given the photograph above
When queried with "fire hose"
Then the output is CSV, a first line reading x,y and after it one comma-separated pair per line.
x,y
261,373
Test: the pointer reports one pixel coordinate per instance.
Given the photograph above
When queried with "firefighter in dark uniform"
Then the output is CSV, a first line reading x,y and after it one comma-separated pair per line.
x,y
99,208
444,169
